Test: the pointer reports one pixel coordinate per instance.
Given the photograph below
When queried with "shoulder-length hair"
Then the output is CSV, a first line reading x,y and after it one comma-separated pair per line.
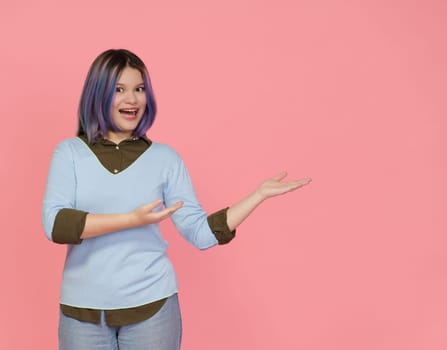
x,y
99,90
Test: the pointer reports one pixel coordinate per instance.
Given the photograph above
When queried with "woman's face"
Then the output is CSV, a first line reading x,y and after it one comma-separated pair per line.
x,y
128,104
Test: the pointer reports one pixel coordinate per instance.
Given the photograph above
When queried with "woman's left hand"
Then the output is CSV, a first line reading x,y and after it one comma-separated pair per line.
x,y
274,186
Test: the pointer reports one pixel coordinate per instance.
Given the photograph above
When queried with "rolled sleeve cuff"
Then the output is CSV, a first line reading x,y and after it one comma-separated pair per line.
x,y
68,226
218,225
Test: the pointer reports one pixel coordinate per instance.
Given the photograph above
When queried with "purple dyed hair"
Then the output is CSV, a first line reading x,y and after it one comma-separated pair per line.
x,y
98,92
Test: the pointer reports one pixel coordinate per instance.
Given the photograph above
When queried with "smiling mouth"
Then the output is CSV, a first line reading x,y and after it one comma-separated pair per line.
x,y
129,111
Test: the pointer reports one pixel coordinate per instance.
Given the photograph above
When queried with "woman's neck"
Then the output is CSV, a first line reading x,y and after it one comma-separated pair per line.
x,y
117,137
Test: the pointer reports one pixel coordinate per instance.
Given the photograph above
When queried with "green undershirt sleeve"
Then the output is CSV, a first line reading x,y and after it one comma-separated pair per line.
x,y
218,224
68,226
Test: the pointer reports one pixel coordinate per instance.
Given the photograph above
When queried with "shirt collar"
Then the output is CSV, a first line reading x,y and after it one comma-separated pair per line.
x,y
106,142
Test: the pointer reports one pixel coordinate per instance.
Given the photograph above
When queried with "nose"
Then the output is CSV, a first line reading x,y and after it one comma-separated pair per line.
x,y
131,97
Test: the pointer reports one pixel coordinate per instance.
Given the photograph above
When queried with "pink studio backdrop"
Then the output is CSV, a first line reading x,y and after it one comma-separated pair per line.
x,y
351,93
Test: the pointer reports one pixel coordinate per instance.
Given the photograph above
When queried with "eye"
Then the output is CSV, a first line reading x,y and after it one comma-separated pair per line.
x,y
119,89
141,89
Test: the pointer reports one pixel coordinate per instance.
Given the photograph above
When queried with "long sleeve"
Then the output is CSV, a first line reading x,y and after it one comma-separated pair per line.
x,y
218,224
68,226
191,219
62,223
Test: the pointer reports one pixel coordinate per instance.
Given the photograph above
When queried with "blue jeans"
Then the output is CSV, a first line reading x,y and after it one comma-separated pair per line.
x,y
163,331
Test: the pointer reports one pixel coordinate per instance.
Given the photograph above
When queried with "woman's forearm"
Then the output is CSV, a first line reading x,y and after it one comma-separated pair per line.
x,y
269,188
242,209
101,224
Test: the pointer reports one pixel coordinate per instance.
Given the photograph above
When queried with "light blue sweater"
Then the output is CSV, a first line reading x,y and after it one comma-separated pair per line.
x,y
127,268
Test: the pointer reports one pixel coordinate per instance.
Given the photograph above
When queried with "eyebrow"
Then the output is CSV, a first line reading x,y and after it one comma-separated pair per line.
x,y
126,85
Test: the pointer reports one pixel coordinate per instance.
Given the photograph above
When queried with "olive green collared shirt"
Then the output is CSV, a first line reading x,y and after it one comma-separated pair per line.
x,y
69,225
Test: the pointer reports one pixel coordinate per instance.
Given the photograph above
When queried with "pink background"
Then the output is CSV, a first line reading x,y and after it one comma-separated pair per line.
x,y
351,93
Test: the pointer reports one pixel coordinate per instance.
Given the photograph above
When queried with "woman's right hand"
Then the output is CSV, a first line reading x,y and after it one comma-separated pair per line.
x,y
101,224
145,214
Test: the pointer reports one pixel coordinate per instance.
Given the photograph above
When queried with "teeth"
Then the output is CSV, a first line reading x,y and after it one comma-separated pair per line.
x,y
129,111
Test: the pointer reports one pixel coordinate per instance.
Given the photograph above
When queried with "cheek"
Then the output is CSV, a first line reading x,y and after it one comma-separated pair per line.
x,y
143,100
116,101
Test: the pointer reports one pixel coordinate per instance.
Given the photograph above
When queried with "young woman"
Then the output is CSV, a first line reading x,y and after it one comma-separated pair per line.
x,y
107,190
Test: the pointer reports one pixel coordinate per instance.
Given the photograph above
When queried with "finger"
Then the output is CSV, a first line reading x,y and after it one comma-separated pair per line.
x,y
280,176
167,212
300,183
304,181
161,215
175,207
151,206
